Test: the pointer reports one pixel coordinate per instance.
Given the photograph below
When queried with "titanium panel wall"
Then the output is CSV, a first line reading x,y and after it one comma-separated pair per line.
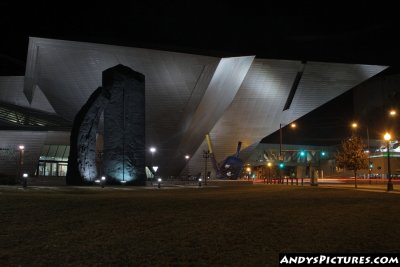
x,y
257,109
176,83
222,89
11,91
322,82
68,72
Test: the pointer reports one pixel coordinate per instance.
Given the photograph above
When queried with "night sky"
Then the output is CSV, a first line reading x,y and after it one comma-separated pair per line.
x,y
363,33
366,33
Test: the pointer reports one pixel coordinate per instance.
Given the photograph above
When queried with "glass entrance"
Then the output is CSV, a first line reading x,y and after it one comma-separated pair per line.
x,y
53,160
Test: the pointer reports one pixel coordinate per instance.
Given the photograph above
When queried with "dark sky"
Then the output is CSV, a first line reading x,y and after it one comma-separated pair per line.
x,y
326,31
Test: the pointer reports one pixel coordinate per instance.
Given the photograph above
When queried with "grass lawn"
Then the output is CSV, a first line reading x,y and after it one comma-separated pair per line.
x,y
226,226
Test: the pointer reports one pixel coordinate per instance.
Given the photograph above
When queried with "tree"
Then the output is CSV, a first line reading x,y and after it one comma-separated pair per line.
x,y
352,156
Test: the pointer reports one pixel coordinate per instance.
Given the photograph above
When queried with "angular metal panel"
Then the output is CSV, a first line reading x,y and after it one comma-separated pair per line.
x,y
257,109
11,91
322,82
222,89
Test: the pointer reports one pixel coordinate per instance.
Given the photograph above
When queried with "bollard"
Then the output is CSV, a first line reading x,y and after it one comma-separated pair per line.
x,y
102,181
24,180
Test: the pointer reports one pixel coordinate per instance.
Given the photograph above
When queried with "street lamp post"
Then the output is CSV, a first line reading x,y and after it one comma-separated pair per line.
x,y
354,125
187,157
269,164
387,137
206,155
152,151
248,169
281,158
21,161
280,141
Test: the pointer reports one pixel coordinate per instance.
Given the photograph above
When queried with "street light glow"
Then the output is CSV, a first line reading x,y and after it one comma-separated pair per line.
x,y
22,147
392,112
293,125
187,157
387,136
269,164
153,149
354,125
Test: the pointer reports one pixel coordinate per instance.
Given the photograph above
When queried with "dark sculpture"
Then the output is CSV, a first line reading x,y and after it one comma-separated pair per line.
x,y
122,99
124,126
231,167
82,155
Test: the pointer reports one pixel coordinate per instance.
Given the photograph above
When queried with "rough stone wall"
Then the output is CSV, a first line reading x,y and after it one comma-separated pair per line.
x,y
82,156
124,125
122,98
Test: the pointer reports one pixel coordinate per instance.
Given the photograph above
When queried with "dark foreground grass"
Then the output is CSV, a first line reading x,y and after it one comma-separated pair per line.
x,y
231,226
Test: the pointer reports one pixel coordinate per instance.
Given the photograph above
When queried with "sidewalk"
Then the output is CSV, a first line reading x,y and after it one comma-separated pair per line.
x,y
347,183
363,187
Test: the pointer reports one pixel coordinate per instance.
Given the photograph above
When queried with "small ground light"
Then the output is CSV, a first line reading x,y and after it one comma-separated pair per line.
x,y
159,180
25,180
200,182
102,181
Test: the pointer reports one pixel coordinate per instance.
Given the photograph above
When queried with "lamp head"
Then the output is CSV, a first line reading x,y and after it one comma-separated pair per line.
x,y
387,136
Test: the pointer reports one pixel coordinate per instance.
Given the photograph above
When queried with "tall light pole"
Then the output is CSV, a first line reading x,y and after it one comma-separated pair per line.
x,y
387,137
21,161
280,141
152,151
354,126
187,157
269,164
293,126
206,155
248,169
